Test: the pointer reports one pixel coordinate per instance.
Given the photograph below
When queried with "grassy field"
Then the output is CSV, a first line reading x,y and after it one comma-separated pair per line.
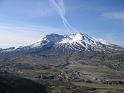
x,y
101,88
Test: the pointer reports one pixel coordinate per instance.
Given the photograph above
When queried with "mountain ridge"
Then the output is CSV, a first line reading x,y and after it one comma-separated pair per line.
x,y
71,41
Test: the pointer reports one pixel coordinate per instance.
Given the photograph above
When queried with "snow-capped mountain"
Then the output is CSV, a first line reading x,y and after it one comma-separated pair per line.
x,y
77,41
57,49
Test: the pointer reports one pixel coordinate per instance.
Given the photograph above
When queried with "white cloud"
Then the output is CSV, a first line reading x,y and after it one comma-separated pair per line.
x,y
114,15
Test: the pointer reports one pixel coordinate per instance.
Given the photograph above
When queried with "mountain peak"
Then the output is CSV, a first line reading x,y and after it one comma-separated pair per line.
x,y
77,37
72,41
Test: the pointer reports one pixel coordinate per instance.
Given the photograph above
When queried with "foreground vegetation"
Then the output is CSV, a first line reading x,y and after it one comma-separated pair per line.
x,y
13,84
31,82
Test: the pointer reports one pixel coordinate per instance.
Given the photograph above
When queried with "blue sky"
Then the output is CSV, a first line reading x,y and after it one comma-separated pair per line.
x,y
23,22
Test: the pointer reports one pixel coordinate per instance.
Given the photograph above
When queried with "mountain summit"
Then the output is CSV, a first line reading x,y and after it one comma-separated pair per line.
x,y
77,41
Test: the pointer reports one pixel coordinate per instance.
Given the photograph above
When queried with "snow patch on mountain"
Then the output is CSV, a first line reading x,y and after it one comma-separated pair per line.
x,y
78,38
72,39
103,41
37,44
8,49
